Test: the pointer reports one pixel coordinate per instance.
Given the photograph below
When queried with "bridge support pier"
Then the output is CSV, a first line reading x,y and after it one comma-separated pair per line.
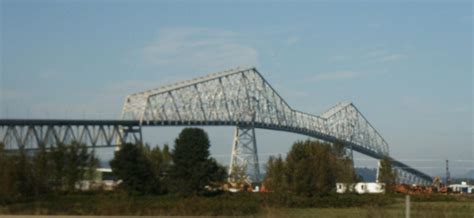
x,y
244,153
377,175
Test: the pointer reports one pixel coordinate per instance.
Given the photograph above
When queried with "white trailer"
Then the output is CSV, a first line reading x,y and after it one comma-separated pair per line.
x,y
361,188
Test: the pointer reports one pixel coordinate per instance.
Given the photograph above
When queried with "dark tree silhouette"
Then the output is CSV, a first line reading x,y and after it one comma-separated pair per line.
x,y
192,168
135,169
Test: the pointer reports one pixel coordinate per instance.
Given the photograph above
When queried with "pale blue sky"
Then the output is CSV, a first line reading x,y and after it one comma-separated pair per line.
x,y
407,66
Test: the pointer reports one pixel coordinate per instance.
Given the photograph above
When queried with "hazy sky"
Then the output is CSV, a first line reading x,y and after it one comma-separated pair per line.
x,y
407,66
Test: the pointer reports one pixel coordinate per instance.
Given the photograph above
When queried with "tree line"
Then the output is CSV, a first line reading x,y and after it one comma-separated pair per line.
x,y
187,169
311,168
27,174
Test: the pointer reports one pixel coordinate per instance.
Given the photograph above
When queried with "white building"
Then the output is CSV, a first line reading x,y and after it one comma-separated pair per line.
x,y
361,188
462,188
103,180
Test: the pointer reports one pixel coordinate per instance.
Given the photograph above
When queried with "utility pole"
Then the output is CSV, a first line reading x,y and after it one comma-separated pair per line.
x,y
448,179
407,206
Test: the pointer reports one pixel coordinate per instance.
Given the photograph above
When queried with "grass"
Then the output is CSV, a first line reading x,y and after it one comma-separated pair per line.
x,y
418,209
244,204
121,204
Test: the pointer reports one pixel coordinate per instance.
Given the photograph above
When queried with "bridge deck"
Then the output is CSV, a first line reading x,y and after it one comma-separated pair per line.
x,y
134,123
65,122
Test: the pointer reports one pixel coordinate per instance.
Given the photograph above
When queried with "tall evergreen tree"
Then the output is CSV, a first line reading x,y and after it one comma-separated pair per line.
x,y
134,168
192,167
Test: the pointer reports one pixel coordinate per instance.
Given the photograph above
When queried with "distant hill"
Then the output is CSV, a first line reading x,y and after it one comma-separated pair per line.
x,y
367,174
470,174
468,177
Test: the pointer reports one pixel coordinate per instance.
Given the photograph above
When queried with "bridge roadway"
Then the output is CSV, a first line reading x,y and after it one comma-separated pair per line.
x,y
136,123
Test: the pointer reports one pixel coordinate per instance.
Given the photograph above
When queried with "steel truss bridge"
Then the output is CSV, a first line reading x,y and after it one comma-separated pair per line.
x,y
238,97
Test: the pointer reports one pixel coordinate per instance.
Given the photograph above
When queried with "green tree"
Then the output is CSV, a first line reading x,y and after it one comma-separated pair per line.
x,y
21,174
36,173
132,165
167,159
20,177
156,158
92,164
275,177
311,168
192,168
160,161
216,173
7,193
70,165
59,166
42,171
345,172
77,164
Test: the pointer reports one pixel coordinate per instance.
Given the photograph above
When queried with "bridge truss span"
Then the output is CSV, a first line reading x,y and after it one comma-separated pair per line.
x,y
242,95
239,97
32,134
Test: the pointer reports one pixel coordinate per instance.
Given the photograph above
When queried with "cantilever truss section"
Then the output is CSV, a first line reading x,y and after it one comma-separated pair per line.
x,y
243,97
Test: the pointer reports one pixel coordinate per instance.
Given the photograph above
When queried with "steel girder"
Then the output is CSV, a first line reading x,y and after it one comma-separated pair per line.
x,y
31,135
242,97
